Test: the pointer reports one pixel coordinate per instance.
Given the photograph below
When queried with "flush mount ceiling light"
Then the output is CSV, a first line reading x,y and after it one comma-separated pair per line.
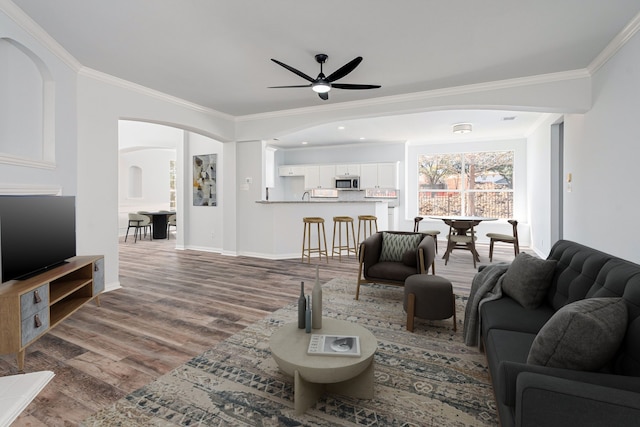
x,y
462,128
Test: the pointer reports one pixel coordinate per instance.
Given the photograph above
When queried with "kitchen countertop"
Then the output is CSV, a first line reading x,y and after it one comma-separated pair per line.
x,y
269,202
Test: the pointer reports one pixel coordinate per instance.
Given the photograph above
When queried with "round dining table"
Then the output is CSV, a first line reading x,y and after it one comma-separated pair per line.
x,y
461,226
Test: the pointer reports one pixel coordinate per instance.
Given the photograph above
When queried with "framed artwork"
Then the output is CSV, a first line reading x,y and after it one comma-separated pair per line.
x,y
204,180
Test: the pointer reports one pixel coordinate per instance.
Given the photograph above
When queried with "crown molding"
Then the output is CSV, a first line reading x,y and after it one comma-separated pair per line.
x,y
8,159
29,189
143,90
425,95
25,22
615,45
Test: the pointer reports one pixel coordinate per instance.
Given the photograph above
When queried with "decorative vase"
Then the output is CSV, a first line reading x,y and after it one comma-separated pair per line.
x,y
316,300
307,316
302,307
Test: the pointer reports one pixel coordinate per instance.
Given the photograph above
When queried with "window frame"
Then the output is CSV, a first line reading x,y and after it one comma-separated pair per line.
x,y
518,146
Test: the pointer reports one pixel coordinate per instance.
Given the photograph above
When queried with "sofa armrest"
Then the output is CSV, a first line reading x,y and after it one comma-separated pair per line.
x,y
370,249
426,254
509,374
548,401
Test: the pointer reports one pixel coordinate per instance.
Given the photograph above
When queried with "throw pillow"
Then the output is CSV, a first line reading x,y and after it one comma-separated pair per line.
x,y
527,279
395,245
583,335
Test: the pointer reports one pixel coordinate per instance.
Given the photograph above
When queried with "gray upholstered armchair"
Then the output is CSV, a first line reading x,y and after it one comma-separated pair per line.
x,y
414,253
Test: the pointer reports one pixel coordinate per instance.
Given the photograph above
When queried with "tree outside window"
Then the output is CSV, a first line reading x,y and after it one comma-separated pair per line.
x,y
466,184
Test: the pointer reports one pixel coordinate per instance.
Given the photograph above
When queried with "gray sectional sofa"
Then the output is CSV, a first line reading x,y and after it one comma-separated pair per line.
x,y
552,367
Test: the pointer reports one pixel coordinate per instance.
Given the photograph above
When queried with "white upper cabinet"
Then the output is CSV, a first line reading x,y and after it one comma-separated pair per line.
x,y
327,175
368,175
319,176
288,170
348,170
378,175
387,175
311,177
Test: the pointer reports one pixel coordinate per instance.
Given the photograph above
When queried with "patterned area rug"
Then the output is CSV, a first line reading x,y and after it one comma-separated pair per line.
x,y
425,378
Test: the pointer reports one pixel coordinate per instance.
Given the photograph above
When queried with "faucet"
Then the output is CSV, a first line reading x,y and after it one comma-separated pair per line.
x,y
307,194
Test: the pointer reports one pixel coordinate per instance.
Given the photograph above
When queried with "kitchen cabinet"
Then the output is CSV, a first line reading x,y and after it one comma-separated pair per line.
x,y
348,170
378,175
291,170
319,176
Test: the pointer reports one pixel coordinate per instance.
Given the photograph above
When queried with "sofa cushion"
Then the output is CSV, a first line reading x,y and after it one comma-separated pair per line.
x,y
505,313
583,335
527,279
395,245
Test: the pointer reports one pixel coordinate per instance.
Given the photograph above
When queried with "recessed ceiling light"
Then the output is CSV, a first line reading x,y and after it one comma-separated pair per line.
x,y
462,128
304,142
341,127
361,138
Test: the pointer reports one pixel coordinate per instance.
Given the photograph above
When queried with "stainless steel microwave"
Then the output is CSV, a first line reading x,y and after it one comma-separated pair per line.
x,y
347,183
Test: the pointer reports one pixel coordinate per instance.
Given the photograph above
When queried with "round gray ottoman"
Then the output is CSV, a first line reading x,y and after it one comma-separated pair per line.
x,y
428,297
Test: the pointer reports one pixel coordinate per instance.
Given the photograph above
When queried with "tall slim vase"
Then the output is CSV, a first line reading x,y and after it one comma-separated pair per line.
x,y
316,301
302,307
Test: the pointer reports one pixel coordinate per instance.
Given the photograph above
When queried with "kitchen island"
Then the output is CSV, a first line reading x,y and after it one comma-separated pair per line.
x,y
282,226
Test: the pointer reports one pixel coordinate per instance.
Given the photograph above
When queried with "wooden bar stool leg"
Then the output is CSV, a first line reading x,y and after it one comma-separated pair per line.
x,y
326,255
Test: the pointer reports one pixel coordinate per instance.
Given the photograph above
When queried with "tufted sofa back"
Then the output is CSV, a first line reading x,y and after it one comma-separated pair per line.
x,y
584,272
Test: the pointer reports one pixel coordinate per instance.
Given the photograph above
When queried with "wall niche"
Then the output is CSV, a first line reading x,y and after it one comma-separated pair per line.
x,y
26,107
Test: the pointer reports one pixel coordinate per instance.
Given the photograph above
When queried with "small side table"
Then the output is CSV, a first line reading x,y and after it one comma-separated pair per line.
x,y
313,375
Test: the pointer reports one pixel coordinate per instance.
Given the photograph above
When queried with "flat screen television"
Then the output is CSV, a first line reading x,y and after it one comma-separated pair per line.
x,y
37,233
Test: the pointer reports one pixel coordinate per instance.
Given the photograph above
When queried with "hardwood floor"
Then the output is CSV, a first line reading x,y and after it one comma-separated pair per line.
x,y
172,306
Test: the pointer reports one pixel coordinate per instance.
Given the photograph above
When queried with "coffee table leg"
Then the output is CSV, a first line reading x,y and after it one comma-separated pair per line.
x,y
360,387
305,393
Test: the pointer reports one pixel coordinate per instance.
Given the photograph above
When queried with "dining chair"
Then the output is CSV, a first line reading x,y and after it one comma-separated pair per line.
x,y
138,223
505,238
148,215
171,222
432,233
462,235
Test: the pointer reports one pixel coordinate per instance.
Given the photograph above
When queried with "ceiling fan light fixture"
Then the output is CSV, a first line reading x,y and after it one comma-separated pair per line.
x,y
462,128
321,87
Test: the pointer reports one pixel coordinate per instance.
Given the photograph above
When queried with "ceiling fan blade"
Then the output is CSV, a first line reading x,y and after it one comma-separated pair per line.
x,y
279,87
354,86
324,95
293,70
345,69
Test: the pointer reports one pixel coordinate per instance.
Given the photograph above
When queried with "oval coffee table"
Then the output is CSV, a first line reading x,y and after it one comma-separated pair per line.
x,y
315,374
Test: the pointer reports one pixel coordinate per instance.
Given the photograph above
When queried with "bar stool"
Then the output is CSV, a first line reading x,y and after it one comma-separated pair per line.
x,y
337,223
432,233
365,220
306,238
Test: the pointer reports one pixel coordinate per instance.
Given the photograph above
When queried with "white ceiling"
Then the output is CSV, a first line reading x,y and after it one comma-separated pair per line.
x,y
217,53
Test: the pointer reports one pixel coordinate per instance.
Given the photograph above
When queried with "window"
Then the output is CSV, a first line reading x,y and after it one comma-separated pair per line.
x,y
478,184
172,185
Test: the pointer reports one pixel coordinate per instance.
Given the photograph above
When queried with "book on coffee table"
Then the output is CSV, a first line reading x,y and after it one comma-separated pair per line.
x,y
334,345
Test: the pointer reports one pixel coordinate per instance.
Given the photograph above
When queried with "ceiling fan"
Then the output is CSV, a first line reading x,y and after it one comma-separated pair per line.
x,y
323,84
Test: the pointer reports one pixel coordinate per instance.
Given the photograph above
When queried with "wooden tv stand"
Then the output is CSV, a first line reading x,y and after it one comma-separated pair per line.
x,y
30,308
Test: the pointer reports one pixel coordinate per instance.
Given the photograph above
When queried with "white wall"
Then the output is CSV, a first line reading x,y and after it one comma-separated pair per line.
x,y
540,186
601,152
203,225
101,104
61,173
155,196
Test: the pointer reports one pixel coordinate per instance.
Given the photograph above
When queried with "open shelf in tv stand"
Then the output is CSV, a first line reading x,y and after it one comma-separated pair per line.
x,y
30,308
